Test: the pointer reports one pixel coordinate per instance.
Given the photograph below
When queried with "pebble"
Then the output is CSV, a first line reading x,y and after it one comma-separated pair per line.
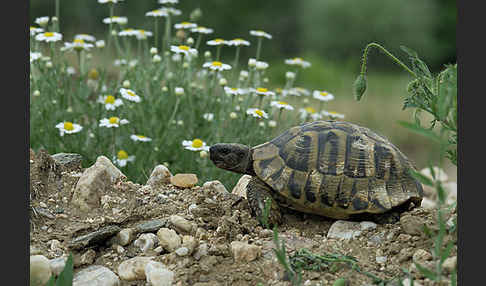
x,y
40,270
404,254
450,264
96,237
243,251
133,268
146,241
180,223
201,251
92,184
68,161
57,265
190,243
182,251
216,186
184,180
408,282
240,187
159,176
86,258
168,239
157,274
381,259
95,275
115,173
412,225
125,236
348,229
421,255
428,203
151,225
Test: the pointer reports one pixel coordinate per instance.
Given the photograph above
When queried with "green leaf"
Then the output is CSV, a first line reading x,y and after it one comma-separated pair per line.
x,y
445,253
51,281
420,130
65,278
421,178
340,282
426,272
453,278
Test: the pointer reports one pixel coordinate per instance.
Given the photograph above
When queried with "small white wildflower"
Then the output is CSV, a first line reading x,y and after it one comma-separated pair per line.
x,y
130,95
233,115
263,91
217,42
223,81
109,1
48,37
77,45
156,59
100,44
128,32
185,25
289,75
110,102
281,105
142,34
195,145
122,158
238,42
298,62
141,138
244,74
190,41
153,50
126,83
182,49
85,37
157,13
112,122
35,56
332,114
309,111
42,21
35,30
217,66
67,127
260,33
179,91
322,95
234,90
116,19
202,30
168,1
258,113
36,93
208,116
207,54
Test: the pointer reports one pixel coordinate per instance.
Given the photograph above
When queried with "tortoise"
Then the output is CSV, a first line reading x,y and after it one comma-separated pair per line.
x,y
329,168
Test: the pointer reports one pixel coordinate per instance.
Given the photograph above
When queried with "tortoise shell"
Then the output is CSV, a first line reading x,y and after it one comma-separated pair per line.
x,y
336,169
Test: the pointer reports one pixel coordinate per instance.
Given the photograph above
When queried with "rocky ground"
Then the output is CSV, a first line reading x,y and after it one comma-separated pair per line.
x,y
176,231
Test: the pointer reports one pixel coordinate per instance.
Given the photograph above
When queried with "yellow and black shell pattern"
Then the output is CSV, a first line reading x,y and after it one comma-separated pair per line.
x,y
336,169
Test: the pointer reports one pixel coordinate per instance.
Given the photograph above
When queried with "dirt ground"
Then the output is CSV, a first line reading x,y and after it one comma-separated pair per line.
x,y
218,218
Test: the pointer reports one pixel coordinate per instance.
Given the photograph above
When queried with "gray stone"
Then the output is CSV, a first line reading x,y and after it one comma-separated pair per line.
x,y
93,238
216,186
189,242
92,184
151,225
160,176
412,224
421,256
87,258
180,223
125,236
381,259
68,161
40,270
201,251
240,187
244,252
168,239
158,275
344,230
133,268
182,251
57,265
450,264
377,238
95,275
146,241
428,203
365,225
115,173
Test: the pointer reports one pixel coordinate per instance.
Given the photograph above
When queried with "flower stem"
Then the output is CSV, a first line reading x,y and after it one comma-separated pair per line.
x,y
218,52
259,48
156,32
395,59
198,41
57,29
167,33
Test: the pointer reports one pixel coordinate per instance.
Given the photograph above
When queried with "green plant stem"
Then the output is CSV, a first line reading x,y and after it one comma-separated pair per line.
x,y
167,33
259,48
58,8
198,41
386,52
156,32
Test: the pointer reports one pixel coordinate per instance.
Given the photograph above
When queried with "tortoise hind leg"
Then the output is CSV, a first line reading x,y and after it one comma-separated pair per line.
x,y
257,193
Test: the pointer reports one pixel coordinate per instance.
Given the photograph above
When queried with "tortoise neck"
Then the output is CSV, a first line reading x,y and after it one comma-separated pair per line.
x,y
249,167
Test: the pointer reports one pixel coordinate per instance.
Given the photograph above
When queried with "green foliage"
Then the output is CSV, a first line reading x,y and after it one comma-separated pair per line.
x,y
65,278
266,211
294,275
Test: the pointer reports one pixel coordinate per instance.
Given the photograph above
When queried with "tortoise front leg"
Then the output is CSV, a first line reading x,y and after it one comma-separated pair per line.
x,y
257,192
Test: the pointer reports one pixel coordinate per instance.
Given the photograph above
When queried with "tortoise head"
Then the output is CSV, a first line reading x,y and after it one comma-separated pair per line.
x,y
232,156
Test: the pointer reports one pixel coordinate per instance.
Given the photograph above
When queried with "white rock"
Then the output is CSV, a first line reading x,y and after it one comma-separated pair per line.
x,y
189,242
180,223
201,251
381,259
182,251
95,275
57,265
158,275
133,268
168,239
451,189
365,225
240,187
125,236
40,270
215,185
146,241
450,264
94,182
428,203
344,230
115,173
408,282
440,175
159,176
244,252
421,255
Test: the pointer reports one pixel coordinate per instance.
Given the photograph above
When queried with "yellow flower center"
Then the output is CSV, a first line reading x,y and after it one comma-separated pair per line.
x,y
283,103
262,89
278,90
184,48
113,120
122,155
131,93
141,136
79,41
68,126
217,64
323,93
234,88
142,32
48,34
218,40
197,143
238,40
259,112
310,110
297,59
186,23
110,99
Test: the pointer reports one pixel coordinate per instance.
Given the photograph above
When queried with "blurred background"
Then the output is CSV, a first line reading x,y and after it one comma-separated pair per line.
x,y
330,34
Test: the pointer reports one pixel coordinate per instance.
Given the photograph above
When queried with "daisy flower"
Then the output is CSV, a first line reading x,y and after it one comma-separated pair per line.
x,y
130,95
260,33
217,42
128,32
112,122
120,62
332,114
142,138
116,19
109,1
157,13
216,66
122,158
263,91
42,21
188,51
35,30
258,113
78,45
208,116
100,44
168,1
110,102
309,111
179,90
238,42
172,11
234,91
257,64
298,62
48,37
142,34
301,91
35,56
85,37
70,70
281,105
202,30
322,95
195,145
68,128
185,25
